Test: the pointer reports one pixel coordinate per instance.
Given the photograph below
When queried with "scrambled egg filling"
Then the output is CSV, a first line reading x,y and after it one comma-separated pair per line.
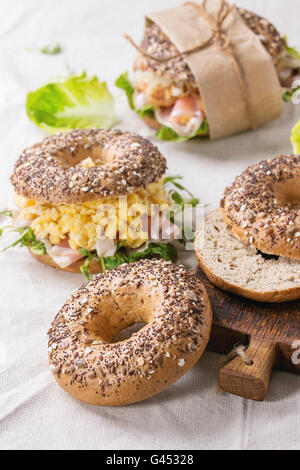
x,y
114,218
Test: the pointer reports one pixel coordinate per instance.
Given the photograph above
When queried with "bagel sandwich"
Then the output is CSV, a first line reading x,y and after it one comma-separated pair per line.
x,y
90,200
166,94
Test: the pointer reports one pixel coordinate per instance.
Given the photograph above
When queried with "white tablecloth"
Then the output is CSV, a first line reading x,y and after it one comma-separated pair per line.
x,y
34,412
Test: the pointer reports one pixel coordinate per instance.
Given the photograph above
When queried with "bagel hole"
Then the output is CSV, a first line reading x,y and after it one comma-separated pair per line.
x,y
127,332
115,332
96,155
117,320
267,256
288,197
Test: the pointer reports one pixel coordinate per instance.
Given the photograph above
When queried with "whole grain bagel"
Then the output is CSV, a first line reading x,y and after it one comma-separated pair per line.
x,y
88,364
235,267
49,172
262,206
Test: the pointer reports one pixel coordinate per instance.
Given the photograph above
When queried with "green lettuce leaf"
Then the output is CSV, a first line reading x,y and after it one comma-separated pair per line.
x,y
166,133
295,138
124,84
123,255
73,102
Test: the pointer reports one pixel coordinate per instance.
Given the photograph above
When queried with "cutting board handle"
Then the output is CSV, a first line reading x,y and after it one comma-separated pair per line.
x,y
250,381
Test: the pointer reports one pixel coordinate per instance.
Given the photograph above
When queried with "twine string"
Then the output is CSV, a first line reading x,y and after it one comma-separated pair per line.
x,y
216,32
238,351
221,40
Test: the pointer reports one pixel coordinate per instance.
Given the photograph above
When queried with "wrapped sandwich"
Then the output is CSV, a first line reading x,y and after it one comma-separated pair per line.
x,y
209,69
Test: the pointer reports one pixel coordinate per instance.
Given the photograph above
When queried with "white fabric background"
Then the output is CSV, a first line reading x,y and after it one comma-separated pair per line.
x,y
34,412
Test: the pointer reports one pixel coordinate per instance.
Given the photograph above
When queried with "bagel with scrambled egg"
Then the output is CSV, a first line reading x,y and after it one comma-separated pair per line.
x,y
84,196
90,365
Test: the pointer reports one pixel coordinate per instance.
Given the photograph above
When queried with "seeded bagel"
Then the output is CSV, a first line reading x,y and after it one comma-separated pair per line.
x,y
48,171
232,266
88,364
262,206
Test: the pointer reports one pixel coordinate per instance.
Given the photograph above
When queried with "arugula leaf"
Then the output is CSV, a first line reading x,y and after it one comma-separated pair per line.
x,y
187,233
176,196
89,255
110,262
291,50
123,255
27,238
72,102
166,133
124,84
171,179
2,229
6,213
85,269
165,251
84,252
51,49
288,95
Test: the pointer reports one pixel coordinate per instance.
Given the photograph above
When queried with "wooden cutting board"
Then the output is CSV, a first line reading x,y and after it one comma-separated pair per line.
x,y
269,330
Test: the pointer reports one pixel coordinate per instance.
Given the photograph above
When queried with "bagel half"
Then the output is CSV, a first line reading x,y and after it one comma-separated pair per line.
x,y
262,206
235,267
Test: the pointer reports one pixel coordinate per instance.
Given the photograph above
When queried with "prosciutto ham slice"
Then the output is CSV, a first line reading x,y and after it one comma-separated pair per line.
x,y
63,255
185,117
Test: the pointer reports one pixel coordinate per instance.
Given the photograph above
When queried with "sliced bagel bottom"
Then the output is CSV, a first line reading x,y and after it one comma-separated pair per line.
x,y
235,267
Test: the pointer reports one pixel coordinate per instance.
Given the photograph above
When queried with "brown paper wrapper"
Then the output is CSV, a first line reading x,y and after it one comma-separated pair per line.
x,y
220,89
